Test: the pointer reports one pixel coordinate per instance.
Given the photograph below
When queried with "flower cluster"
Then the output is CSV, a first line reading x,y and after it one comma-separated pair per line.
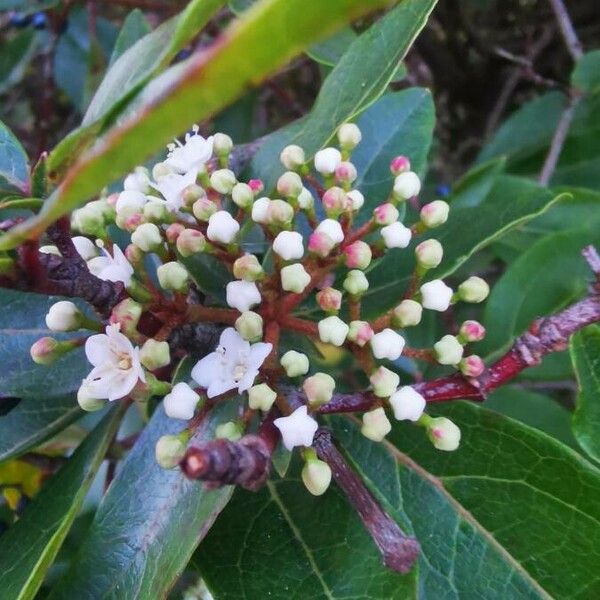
x,y
314,260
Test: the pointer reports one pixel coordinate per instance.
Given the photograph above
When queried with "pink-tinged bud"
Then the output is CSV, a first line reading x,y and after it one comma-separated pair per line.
x,y
111,199
375,425
399,164
429,254
47,350
360,332
204,209
329,299
134,254
126,314
133,222
320,243
407,314
256,185
289,185
358,255
384,382
335,201
472,366
292,157
173,232
318,389
346,172
435,213
471,331
248,268
191,241
279,213
443,434
386,214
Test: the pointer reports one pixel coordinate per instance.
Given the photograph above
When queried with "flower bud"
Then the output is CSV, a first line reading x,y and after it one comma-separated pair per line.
x,y
396,235
50,249
316,476
228,431
131,223
407,314
387,344
407,404
134,255
332,330
429,254
294,363
261,397
87,400
130,203
248,268
406,185
289,185
435,213
349,136
169,451
242,195
190,241
260,210
305,200
289,245
386,214
471,331
279,213
360,332
88,220
147,237
172,276
173,231
250,326
448,350
358,255
223,180
335,201
63,316
85,247
474,289
155,354
327,160
375,425
399,164
356,199
256,185
160,170
333,229
294,278
346,172
222,144
192,193
443,433
318,389
222,227
126,314
329,299
204,209
47,350
384,382
181,402
356,283
320,243
156,211
292,157
138,180
472,366
242,295
436,295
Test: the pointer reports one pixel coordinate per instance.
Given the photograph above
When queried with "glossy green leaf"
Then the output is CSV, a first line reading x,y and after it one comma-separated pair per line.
x,y
15,56
209,274
358,79
206,83
147,525
475,186
14,167
135,27
330,51
586,75
585,353
29,547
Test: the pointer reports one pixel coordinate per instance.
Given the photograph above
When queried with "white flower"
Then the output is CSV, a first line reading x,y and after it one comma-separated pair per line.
x,y
112,268
396,235
234,364
298,429
116,363
130,202
332,228
260,210
327,160
138,181
85,247
222,227
407,404
407,185
171,187
63,316
387,344
192,155
181,402
436,295
242,295
332,330
289,245
357,199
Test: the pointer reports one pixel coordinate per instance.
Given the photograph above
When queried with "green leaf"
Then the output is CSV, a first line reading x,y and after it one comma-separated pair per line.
x,y
585,353
134,28
586,75
474,187
209,274
29,547
27,6
206,83
148,524
15,56
14,168
330,51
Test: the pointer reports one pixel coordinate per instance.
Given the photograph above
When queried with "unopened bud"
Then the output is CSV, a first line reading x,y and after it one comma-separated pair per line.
x,y
399,164
47,350
86,398
88,220
305,200
173,231
126,314
156,211
161,170
292,157
181,402
384,382
443,433
289,185
387,344
474,289
375,425
294,363
320,243
471,331
223,180
130,203
169,450
436,295
222,227
172,276
261,397
260,210
360,332
242,295
147,237
203,209
349,136
50,249
318,389
396,235
256,185
358,255
346,173
429,254
335,201
333,229
357,199
332,330
155,354
385,214
279,213
356,283
448,350
407,314
435,213
406,185
190,241
327,160
242,195
229,431
138,180
222,144
250,326
316,476
329,299
472,366
407,404
294,278
134,255
63,316
289,245
248,268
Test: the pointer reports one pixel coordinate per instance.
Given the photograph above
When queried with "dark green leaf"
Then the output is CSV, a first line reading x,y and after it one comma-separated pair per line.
x,y
30,546
586,75
135,27
585,353
14,168
209,274
475,186
27,6
329,51
15,56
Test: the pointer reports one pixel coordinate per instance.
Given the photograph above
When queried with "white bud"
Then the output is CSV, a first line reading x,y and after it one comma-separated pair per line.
x,y
223,180
429,254
332,330
50,249
292,157
130,203
261,397
250,326
85,247
247,267
203,209
435,213
242,195
260,210
474,289
181,402
155,354
279,213
444,434
156,211
305,199
407,404
190,242
448,350
408,313
396,235
222,144
319,389
375,425
289,245
356,198
349,136
407,185
294,278
316,476
88,219
436,295
294,363
63,316
147,237
384,382
327,160
289,185
222,227
169,450
387,344
242,295
331,228
172,276
86,398
385,214
356,283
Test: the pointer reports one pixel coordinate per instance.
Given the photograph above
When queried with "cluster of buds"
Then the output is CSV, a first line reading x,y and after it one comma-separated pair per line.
x,y
193,204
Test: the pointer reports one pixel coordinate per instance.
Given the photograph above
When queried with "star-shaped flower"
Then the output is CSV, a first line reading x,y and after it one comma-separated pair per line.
x,y
171,187
192,155
112,268
297,429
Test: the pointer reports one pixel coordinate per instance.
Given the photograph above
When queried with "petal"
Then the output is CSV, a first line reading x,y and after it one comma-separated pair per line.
x,y
247,380
258,355
98,264
219,386
98,350
207,369
232,341
122,384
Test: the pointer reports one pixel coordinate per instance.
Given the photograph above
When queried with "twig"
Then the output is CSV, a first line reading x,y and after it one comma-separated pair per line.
x,y
566,28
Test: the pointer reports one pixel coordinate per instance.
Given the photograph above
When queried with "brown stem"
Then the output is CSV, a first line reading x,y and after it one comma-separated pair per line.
x,y
566,28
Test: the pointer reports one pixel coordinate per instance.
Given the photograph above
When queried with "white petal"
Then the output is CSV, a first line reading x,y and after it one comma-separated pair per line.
x,y
98,350
206,369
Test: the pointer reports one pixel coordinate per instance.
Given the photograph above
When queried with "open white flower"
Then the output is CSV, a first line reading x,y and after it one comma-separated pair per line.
x,y
116,363
297,429
85,247
171,187
192,155
234,364
112,268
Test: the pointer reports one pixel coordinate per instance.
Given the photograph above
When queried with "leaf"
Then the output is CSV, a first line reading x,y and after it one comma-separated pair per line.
x,y
207,82
586,75
474,187
209,274
147,525
330,51
585,354
135,26
15,56
27,6
29,547
14,168
358,79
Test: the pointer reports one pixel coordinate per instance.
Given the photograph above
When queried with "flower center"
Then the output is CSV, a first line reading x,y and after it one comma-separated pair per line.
x,y
239,371
124,363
